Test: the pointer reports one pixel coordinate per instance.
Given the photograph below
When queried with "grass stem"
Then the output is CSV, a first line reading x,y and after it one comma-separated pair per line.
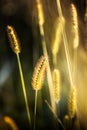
x,y
35,107
24,89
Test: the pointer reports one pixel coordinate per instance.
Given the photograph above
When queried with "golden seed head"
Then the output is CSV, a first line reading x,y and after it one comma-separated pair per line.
x,y
72,102
75,26
74,16
56,40
56,83
39,73
40,13
14,41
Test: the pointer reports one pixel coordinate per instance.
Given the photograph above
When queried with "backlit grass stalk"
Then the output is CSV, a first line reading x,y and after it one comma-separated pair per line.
x,y
75,66
65,45
75,34
15,45
49,76
38,79
73,99
56,39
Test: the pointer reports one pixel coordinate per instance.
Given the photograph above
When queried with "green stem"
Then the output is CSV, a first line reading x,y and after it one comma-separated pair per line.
x,y
35,107
23,87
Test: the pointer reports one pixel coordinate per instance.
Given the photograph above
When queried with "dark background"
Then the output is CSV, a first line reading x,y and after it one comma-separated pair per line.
x,y
22,15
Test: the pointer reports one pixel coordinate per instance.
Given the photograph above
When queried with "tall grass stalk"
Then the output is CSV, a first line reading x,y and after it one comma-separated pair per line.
x,y
49,76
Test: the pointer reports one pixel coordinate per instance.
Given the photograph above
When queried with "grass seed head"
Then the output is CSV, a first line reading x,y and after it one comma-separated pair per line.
x,y
14,41
72,102
39,73
56,82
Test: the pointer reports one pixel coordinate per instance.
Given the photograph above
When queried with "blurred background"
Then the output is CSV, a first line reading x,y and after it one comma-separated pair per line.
x,y
22,15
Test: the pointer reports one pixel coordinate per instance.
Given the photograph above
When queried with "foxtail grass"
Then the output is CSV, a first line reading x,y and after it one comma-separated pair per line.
x,y
13,38
15,45
75,26
38,79
38,75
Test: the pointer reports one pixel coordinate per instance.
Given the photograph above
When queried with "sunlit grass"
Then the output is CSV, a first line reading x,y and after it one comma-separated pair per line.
x,y
15,45
54,75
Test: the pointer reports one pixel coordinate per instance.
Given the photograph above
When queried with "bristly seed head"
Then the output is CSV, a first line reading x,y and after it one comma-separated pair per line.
x,y
56,82
72,103
39,73
15,44
40,12
75,26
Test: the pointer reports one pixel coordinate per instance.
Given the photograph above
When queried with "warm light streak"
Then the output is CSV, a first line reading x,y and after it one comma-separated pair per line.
x,y
49,77
65,45
59,25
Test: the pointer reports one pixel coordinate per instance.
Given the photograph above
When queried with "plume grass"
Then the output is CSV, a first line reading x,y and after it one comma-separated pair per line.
x,y
38,79
13,38
38,74
15,45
